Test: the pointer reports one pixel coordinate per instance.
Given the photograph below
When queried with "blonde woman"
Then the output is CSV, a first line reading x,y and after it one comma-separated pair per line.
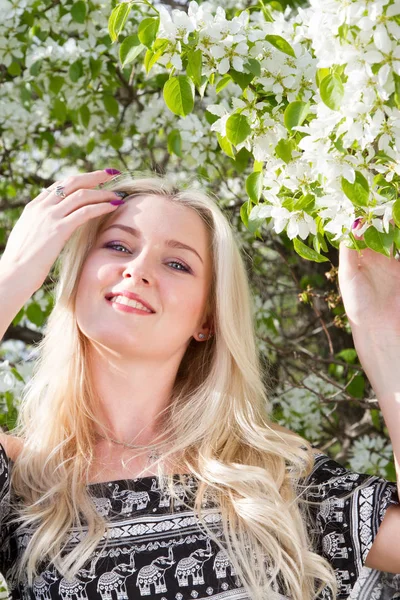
x,y
144,462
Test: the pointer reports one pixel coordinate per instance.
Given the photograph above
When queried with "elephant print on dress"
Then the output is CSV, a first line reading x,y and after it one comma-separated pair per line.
x,y
129,498
165,497
115,580
181,493
193,565
42,583
103,506
221,563
77,585
154,574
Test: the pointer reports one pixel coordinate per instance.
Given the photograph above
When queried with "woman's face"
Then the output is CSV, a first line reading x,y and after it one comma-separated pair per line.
x,y
174,281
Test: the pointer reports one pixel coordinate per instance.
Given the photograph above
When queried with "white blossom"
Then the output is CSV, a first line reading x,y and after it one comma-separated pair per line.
x,y
229,54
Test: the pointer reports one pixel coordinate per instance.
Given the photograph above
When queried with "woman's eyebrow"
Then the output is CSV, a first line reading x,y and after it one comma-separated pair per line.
x,y
169,243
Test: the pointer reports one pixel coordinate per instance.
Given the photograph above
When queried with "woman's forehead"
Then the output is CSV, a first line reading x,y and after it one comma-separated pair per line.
x,y
161,215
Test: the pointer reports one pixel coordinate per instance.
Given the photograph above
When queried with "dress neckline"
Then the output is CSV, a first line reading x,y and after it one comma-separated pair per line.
x,y
146,480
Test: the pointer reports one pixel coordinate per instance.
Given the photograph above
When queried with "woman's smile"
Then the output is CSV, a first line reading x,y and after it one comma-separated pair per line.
x,y
128,308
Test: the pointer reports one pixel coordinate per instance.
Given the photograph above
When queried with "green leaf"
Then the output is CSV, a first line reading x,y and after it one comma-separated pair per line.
x,y
281,44
332,91
322,242
111,105
266,13
321,74
18,317
343,31
78,11
84,114
90,146
316,244
175,142
59,110
242,79
396,236
14,69
375,417
204,83
390,472
56,83
253,66
305,202
356,387
396,212
295,114
95,66
377,241
222,83
178,94
116,140
254,184
130,49
118,18
349,355
284,149
35,68
389,192
152,56
75,70
396,79
226,146
17,375
194,66
49,137
357,192
245,210
35,314
242,160
237,128
307,252
147,30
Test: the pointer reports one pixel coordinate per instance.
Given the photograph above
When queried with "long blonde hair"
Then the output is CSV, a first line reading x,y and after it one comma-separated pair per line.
x,y
217,421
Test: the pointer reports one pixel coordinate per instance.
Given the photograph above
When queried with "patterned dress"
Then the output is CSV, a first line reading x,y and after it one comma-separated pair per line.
x,y
155,553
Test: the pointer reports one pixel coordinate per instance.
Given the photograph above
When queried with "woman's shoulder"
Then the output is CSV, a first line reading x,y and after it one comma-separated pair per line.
x,y
12,445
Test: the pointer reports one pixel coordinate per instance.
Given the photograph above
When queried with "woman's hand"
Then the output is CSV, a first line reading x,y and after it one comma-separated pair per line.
x,y
48,221
370,288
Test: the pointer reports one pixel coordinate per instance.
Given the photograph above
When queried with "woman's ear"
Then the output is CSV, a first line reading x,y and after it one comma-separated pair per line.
x,y
207,327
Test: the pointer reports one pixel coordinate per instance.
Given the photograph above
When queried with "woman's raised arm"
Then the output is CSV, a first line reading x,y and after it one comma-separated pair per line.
x,y
45,225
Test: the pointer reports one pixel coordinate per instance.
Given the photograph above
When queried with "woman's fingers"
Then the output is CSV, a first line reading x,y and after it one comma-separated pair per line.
x,y
71,184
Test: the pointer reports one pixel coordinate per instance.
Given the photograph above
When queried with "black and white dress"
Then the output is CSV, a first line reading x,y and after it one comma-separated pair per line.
x,y
155,553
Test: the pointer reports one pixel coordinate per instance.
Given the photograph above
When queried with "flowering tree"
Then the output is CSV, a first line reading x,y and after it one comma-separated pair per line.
x,y
317,108
289,117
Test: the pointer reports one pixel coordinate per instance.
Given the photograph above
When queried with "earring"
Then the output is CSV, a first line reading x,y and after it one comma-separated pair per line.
x,y
201,336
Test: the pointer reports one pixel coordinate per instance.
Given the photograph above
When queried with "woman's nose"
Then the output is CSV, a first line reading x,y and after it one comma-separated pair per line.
x,y
139,270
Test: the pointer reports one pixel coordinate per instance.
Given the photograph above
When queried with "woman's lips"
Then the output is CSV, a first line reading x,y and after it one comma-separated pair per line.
x,y
126,308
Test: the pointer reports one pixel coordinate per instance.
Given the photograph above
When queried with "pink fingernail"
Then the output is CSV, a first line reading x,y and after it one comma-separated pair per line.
x,y
112,171
117,202
356,223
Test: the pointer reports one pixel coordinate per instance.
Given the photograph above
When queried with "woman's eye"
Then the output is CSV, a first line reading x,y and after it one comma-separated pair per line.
x,y
115,245
182,266
175,262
